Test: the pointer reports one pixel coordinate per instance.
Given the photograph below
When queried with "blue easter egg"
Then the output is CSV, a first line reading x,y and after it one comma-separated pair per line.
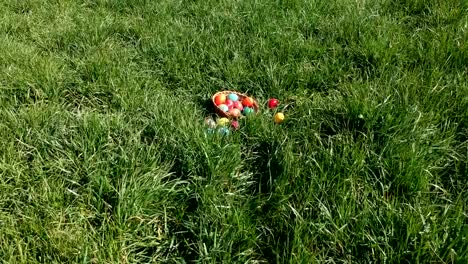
x,y
223,107
233,97
223,131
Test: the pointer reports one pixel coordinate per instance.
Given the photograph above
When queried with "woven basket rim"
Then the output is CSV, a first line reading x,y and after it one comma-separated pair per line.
x,y
228,92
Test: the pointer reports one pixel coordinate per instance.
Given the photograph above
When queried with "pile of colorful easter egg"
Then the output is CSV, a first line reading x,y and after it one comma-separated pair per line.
x,y
231,106
222,125
234,105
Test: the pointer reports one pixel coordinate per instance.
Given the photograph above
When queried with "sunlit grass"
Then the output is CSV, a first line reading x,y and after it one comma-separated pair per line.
x,y
104,157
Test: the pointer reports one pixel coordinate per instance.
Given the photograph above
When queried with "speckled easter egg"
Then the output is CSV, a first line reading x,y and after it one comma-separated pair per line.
x,y
233,97
223,107
210,122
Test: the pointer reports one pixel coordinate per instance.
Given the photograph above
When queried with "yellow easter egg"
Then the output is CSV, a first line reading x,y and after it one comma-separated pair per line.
x,y
223,121
278,118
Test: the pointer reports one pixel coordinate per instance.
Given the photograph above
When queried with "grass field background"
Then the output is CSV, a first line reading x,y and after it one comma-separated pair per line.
x,y
104,157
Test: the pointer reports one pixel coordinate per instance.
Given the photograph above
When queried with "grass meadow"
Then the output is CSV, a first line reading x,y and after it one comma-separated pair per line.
x,y
104,157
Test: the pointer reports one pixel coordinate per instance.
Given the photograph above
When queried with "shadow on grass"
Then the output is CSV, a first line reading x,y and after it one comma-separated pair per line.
x,y
276,234
207,107
188,205
338,123
267,166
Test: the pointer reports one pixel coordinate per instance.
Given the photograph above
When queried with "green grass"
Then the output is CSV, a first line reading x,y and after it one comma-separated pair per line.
x,y
104,156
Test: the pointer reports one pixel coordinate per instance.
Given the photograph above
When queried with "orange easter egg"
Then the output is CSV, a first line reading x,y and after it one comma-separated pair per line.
x,y
248,101
220,99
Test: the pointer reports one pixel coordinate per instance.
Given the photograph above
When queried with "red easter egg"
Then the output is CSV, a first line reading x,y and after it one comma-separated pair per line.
x,y
220,99
229,103
273,103
238,105
235,124
248,101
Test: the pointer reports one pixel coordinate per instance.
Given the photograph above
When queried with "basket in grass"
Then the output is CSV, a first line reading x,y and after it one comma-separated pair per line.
x,y
245,104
